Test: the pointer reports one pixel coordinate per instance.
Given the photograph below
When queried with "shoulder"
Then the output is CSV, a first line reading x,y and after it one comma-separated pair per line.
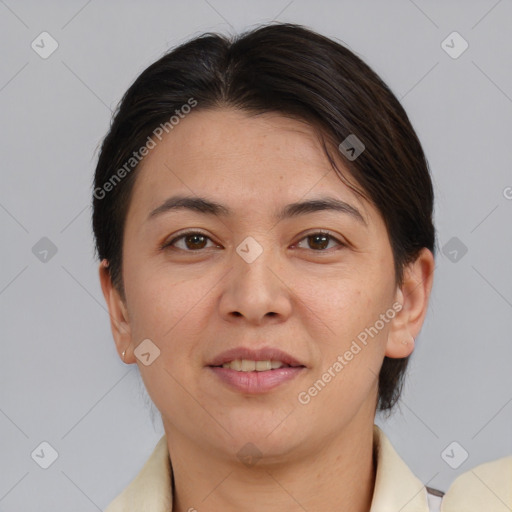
x,y
150,490
484,487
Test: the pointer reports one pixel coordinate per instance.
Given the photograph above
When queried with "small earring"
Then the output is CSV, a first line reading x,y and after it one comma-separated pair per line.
x,y
124,352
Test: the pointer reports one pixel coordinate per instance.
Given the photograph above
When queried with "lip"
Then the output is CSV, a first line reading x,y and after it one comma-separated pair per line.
x,y
255,382
262,354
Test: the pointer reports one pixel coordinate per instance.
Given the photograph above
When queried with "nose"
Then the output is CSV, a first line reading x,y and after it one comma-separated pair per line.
x,y
256,291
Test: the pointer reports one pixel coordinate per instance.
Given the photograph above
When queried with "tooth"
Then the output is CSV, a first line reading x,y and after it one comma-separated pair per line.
x,y
248,366
236,364
262,366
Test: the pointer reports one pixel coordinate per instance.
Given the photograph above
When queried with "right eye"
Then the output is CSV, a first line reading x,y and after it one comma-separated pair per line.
x,y
193,241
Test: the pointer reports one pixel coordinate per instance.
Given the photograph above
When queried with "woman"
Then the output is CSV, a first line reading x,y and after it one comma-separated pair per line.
x,y
263,217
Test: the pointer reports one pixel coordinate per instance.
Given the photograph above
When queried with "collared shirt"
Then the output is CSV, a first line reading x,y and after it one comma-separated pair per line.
x,y
396,487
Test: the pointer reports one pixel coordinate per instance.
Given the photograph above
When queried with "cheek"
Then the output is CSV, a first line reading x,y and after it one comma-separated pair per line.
x,y
172,313
169,308
345,304
158,303
351,344
349,332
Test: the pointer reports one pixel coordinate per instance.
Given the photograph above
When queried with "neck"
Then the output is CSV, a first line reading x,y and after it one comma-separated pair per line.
x,y
338,475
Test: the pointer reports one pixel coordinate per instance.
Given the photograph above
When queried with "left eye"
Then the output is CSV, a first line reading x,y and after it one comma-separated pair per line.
x,y
194,241
320,241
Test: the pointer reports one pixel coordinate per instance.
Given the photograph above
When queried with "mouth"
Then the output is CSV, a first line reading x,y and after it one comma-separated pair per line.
x,y
248,365
249,360
255,371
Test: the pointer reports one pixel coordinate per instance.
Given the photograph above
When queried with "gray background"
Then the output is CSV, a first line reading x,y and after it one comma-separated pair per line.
x,y
61,380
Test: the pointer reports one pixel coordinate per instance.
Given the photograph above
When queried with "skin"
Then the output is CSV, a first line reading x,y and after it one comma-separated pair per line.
x,y
200,299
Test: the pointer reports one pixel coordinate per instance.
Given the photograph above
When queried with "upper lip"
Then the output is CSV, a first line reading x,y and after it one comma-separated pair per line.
x,y
262,354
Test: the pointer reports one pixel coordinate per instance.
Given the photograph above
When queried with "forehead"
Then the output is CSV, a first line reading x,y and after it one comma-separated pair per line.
x,y
220,139
249,161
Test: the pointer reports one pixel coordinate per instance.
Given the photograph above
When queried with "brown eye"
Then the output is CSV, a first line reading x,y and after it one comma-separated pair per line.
x,y
320,241
191,241
196,241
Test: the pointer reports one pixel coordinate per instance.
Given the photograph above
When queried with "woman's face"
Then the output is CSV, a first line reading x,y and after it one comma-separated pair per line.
x,y
283,288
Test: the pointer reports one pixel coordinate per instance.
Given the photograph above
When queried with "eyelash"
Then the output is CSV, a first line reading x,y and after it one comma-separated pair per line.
x,y
169,244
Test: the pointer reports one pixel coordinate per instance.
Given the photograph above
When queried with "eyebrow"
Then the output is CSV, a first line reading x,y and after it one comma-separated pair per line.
x,y
208,207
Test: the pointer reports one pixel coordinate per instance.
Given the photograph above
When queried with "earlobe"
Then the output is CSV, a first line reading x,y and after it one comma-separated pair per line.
x,y
400,341
397,349
413,296
119,320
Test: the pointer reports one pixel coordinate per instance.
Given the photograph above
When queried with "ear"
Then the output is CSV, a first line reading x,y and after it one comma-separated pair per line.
x,y
119,320
413,296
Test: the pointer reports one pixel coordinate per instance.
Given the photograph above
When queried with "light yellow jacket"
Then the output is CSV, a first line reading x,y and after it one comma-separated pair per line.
x,y
485,488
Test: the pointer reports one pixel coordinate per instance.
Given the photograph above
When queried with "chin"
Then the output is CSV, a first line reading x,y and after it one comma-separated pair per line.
x,y
272,433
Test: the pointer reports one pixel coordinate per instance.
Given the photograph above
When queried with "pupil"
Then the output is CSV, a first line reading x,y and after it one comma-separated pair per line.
x,y
324,238
196,240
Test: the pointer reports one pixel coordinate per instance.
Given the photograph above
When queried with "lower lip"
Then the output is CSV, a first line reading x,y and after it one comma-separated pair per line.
x,y
256,382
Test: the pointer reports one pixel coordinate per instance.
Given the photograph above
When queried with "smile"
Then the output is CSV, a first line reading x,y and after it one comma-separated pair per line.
x,y
248,365
255,377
